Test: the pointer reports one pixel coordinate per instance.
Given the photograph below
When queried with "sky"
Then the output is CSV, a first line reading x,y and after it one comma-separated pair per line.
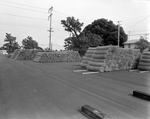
x,y
24,18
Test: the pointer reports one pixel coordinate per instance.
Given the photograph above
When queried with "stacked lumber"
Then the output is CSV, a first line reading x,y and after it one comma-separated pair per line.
x,y
88,56
61,56
112,58
144,63
24,54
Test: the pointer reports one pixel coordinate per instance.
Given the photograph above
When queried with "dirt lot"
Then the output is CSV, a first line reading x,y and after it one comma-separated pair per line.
x,y
30,90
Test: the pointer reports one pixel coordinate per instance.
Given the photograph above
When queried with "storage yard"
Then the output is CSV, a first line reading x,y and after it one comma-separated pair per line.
x,y
32,90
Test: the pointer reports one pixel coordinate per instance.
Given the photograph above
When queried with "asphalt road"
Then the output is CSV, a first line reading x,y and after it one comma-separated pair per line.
x,y
30,90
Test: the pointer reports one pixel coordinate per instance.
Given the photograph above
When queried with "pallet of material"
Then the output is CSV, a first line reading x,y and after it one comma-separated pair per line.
x,y
24,54
113,58
57,56
144,63
88,56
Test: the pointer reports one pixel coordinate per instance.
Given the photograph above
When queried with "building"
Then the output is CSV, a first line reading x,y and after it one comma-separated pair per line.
x,y
130,43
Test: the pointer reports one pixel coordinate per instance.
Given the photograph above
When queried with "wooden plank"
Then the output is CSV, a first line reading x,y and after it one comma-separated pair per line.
x,y
141,95
90,72
79,70
94,113
132,70
143,71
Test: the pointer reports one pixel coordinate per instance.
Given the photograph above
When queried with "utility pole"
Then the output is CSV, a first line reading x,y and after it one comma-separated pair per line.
x,y
146,36
50,28
119,32
129,35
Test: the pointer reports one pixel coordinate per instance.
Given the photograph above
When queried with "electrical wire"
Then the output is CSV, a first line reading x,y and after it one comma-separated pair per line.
x,y
134,18
23,16
64,14
139,34
140,31
54,11
21,25
23,4
23,8
138,22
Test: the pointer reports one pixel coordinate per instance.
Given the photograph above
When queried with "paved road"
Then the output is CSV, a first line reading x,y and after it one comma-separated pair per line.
x,y
30,90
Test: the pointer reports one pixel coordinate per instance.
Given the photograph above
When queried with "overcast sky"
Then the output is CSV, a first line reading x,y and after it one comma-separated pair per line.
x,y
24,18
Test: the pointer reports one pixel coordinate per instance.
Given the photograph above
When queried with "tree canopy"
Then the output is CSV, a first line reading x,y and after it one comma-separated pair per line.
x,y
142,44
29,43
83,42
78,41
72,25
11,44
107,30
101,32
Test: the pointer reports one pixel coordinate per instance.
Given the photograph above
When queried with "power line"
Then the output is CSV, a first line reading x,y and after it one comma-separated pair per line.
x,y
23,16
22,26
139,34
134,18
23,8
41,8
57,37
23,4
140,31
28,17
139,21
68,15
38,33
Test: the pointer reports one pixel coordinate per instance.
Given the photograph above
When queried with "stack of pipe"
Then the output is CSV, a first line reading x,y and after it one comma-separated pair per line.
x,y
112,58
144,63
88,56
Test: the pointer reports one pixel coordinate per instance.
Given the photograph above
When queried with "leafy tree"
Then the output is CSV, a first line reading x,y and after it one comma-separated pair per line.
x,y
83,42
69,43
2,48
29,43
101,32
107,30
72,25
79,41
11,44
142,44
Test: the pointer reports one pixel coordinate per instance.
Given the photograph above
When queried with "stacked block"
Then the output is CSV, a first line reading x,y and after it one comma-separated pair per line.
x,y
112,58
24,54
61,56
15,53
144,63
88,56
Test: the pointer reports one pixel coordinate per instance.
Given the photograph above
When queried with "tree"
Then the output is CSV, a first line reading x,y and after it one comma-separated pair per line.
x,y
142,44
29,43
107,30
72,25
83,42
69,43
11,44
79,41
